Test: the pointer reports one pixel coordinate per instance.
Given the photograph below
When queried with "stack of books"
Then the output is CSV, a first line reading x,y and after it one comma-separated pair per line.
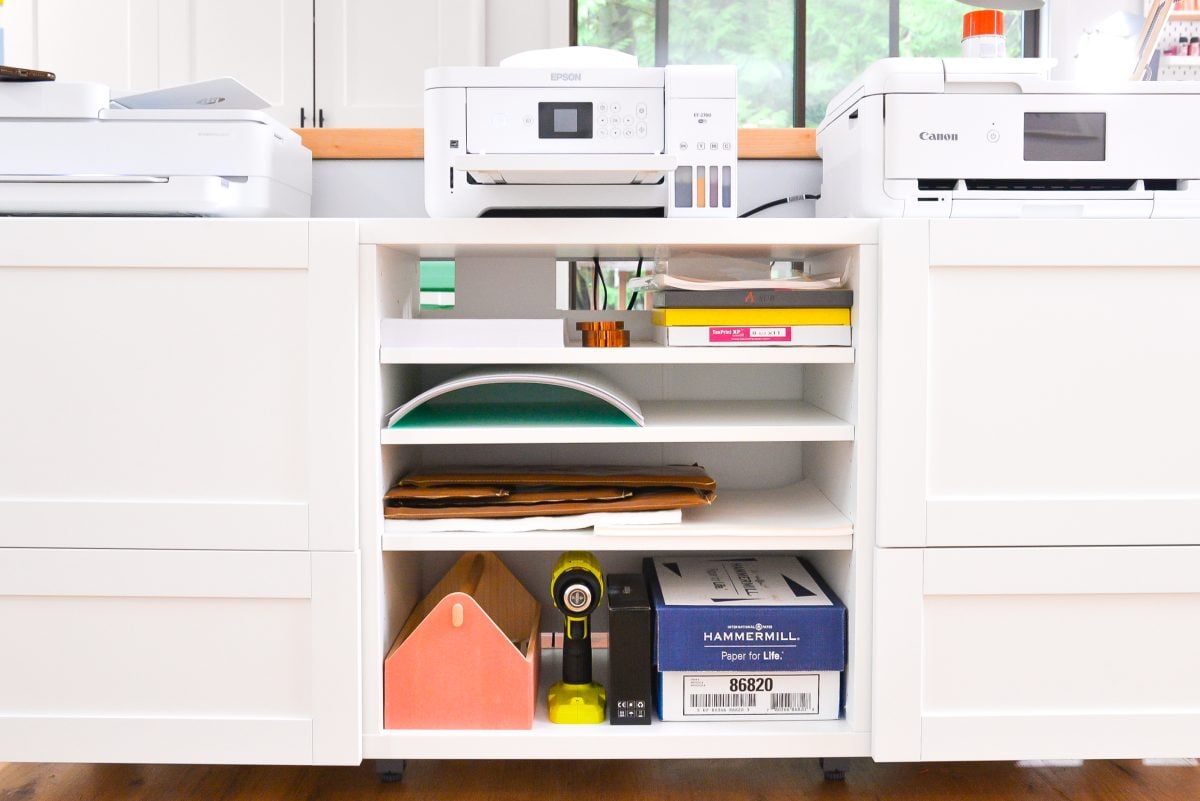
x,y
740,317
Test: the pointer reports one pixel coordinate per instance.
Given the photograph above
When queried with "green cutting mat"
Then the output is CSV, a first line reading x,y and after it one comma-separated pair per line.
x,y
515,405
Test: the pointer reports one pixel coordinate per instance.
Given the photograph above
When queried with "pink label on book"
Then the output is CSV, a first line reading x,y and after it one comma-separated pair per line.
x,y
726,333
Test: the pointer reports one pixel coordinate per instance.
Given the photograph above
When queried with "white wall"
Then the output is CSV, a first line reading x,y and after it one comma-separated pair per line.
x,y
1069,22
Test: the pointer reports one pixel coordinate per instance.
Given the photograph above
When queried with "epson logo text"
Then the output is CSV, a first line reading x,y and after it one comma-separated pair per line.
x,y
566,76
938,137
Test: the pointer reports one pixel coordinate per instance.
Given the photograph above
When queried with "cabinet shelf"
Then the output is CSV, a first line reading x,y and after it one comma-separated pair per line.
x,y
637,353
706,740
607,238
666,421
798,517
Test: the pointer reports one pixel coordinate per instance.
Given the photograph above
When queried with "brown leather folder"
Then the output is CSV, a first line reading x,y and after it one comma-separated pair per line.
x,y
538,491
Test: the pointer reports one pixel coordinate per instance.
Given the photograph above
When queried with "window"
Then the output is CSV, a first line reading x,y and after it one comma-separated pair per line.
x,y
761,37
758,36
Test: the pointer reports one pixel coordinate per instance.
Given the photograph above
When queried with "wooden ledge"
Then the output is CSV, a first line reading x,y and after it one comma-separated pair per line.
x,y
409,143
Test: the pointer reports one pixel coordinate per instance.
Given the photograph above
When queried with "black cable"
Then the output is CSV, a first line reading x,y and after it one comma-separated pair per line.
x,y
634,294
595,283
603,283
778,202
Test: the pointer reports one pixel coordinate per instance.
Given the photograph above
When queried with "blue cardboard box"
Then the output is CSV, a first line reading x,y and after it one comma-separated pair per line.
x,y
750,613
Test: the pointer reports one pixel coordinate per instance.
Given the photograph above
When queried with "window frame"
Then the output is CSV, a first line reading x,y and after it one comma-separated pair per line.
x,y
1031,42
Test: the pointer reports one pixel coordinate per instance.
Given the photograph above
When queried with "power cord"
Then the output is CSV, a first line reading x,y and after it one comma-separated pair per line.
x,y
598,281
779,202
633,295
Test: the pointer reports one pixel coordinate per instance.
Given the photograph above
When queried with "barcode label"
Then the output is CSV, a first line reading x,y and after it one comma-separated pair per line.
x,y
760,695
792,702
722,701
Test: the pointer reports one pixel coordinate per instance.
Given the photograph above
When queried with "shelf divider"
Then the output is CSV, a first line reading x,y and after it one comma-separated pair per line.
x,y
793,518
638,353
666,421
659,740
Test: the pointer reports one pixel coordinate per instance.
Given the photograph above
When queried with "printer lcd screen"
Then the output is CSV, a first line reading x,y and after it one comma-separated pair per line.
x,y
1064,136
564,120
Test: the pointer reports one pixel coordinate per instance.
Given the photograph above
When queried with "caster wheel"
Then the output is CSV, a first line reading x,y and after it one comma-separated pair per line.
x,y
390,771
833,770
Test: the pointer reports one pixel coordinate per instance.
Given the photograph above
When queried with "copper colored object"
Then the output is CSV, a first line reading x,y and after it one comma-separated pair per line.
x,y
606,339
599,325
603,333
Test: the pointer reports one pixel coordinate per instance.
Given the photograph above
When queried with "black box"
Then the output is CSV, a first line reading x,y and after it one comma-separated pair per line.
x,y
630,650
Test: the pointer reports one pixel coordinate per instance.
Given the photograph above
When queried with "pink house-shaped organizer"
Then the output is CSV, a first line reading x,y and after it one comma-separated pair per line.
x,y
467,657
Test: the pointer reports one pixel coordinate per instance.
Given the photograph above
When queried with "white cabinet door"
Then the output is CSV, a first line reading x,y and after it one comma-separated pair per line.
x,y
178,384
371,56
1036,653
1038,383
265,44
114,43
518,25
179,656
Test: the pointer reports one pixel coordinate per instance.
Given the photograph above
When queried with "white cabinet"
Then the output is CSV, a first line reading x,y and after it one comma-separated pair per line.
x,y
755,418
1036,653
178,384
179,656
1037,390
179,573
146,44
266,44
116,43
326,63
371,56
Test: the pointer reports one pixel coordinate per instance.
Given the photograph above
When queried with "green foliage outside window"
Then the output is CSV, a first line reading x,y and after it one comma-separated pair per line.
x,y
843,37
758,37
625,25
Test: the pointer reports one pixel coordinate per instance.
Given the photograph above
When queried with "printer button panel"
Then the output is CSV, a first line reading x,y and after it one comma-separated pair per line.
x,y
620,120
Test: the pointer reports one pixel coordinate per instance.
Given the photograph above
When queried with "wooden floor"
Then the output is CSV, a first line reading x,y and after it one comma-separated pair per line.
x,y
734,780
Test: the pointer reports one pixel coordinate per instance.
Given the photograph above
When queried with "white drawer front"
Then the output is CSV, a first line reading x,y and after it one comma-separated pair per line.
x,y
177,656
1040,653
1061,408
178,384
1038,383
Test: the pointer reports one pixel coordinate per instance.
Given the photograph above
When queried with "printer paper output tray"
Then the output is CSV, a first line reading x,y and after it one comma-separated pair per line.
x,y
171,196
568,169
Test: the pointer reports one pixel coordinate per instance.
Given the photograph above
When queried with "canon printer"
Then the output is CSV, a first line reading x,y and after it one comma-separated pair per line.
x,y
70,149
580,132
997,138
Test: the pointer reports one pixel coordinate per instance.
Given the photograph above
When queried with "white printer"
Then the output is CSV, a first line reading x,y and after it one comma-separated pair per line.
x,y
997,138
69,149
580,132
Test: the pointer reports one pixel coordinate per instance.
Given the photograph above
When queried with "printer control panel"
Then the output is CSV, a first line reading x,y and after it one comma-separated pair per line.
x,y
551,120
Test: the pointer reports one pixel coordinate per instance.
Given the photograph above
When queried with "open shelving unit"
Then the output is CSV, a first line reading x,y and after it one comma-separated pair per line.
x,y
788,433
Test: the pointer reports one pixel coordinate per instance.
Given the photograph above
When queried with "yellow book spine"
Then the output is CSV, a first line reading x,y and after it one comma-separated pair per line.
x,y
751,316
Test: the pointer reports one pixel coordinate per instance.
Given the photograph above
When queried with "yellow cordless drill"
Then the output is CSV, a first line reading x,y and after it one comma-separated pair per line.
x,y
576,585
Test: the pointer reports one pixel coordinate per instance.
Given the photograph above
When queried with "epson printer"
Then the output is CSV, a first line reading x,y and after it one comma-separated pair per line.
x,y
580,132
921,137
70,149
